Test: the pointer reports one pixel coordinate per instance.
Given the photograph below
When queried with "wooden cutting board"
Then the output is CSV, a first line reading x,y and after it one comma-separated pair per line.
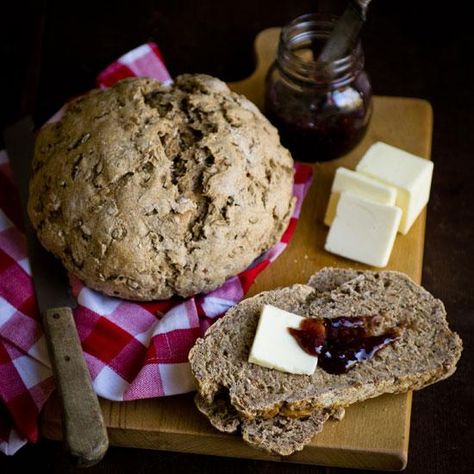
x,y
373,434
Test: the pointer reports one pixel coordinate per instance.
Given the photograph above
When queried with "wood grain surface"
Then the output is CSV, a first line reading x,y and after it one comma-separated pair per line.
x,y
374,434
85,434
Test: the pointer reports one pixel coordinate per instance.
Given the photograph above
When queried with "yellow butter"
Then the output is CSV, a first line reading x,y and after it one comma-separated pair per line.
x,y
346,180
363,230
409,174
275,348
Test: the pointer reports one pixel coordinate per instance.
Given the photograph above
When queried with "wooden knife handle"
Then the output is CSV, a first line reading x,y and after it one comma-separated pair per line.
x,y
84,430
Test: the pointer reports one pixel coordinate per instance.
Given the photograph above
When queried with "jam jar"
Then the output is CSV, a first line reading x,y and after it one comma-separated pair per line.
x,y
321,110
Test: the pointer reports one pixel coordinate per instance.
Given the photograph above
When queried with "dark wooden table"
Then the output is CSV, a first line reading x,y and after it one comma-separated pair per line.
x,y
412,49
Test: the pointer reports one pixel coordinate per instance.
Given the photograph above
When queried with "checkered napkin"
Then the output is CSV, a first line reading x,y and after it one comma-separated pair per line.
x,y
133,350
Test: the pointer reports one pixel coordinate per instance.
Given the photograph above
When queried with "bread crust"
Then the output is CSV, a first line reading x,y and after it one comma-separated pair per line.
x,y
279,435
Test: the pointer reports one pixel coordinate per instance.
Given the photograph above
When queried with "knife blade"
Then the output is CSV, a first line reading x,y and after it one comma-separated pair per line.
x,y
85,434
346,31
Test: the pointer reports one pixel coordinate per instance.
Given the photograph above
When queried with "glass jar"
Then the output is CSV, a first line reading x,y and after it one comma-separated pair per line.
x,y
321,110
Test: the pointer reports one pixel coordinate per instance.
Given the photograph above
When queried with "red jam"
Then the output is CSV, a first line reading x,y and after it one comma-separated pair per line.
x,y
341,343
319,125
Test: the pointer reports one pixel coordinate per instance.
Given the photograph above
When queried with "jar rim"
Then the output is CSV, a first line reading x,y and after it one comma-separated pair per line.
x,y
310,26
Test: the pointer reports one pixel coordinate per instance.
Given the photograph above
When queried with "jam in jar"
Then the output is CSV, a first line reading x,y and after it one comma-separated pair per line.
x,y
321,110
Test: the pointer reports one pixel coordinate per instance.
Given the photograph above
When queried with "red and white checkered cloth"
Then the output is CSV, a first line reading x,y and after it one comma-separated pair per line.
x,y
133,350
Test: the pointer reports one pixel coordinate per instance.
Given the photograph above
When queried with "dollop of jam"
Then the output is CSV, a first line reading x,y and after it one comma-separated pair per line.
x,y
341,343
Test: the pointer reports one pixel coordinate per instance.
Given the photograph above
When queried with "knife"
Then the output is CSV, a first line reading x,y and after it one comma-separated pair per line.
x,y
84,430
346,31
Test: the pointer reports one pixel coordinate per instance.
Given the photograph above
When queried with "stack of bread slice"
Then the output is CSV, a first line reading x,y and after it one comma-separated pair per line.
x,y
281,412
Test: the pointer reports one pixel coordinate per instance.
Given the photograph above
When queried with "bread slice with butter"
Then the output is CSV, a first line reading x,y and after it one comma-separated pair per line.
x,y
278,435
426,352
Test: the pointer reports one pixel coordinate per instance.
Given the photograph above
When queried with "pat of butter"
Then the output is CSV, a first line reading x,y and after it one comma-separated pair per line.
x,y
361,185
409,174
275,348
363,230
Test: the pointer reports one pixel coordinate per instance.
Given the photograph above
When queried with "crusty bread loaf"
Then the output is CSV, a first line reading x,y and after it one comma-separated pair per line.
x,y
146,191
427,350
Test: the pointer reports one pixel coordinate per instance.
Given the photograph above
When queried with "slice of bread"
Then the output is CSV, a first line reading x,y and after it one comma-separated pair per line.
x,y
279,435
427,350
329,278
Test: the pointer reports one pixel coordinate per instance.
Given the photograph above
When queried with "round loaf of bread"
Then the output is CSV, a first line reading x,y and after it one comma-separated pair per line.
x,y
146,191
